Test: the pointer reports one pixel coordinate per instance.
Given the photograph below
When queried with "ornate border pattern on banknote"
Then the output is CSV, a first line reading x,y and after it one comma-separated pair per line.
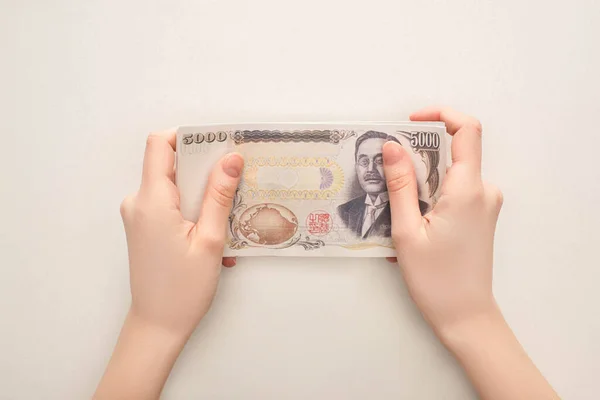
x,y
328,136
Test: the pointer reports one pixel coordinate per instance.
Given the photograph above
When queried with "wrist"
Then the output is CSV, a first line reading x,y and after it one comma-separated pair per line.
x,y
481,329
157,339
141,361
494,360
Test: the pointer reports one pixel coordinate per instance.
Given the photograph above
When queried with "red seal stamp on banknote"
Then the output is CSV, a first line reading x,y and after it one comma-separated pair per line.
x,y
319,222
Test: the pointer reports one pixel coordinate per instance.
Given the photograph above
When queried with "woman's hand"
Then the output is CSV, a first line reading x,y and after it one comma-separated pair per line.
x,y
175,264
446,256
174,270
446,259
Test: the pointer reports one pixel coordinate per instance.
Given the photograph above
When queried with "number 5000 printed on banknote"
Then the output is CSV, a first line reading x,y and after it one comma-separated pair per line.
x,y
310,189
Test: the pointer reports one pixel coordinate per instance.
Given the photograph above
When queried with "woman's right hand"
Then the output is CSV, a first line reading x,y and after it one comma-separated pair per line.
x,y
446,256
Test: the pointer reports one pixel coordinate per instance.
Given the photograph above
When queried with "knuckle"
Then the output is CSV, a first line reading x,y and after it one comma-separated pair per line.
x,y
473,197
496,196
475,124
221,194
127,206
152,139
139,215
399,182
211,241
142,211
445,112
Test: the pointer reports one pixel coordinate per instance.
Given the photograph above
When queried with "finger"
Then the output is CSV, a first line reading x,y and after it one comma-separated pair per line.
x,y
466,144
453,119
402,189
218,199
392,259
159,158
229,262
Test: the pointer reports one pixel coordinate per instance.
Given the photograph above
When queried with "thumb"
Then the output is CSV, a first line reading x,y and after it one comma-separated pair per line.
x,y
402,188
218,199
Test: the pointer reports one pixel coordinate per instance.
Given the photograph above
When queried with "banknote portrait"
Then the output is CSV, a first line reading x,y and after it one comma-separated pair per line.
x,y
369,214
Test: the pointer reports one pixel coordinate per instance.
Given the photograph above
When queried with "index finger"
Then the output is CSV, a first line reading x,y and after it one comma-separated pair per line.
x,y
159,158
466,130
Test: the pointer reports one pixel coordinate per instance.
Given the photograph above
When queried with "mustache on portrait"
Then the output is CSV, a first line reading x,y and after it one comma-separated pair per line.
x,y
372,175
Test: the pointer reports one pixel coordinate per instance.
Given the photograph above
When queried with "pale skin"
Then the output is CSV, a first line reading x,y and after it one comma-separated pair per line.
x,y
445,258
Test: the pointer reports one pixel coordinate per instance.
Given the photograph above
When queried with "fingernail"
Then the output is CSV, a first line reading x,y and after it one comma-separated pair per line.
x,y
233,165
392,153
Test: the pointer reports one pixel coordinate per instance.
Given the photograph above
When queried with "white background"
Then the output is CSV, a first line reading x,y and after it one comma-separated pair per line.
x,y
83,82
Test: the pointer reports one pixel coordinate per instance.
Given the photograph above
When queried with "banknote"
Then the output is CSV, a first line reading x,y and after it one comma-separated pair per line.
x,y
310,189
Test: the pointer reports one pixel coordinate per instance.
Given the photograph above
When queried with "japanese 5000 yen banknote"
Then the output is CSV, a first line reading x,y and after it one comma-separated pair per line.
x,y
309,189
